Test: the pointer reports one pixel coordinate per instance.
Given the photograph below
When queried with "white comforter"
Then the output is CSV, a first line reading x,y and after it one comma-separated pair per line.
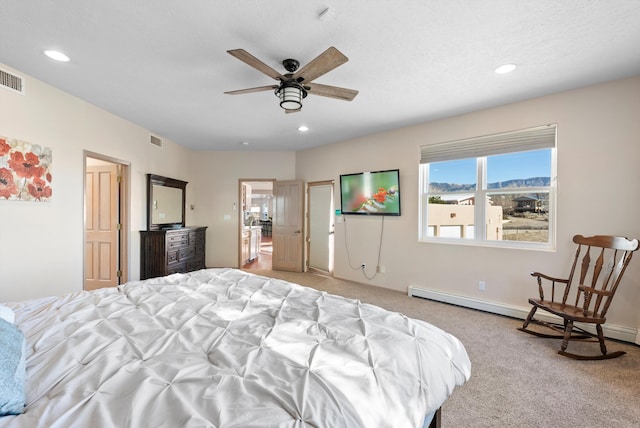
x,y
224,348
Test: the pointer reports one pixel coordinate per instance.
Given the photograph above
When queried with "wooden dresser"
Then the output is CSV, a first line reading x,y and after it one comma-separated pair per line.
x,y
163,252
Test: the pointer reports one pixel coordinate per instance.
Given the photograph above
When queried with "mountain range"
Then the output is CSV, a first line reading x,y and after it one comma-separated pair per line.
x,y
524,182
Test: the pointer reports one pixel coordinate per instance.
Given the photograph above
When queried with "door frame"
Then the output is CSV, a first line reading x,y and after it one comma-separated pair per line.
x,y
123,213
308,219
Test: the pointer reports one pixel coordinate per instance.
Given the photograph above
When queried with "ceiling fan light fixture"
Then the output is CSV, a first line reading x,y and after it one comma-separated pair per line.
x,y
291,95
297,84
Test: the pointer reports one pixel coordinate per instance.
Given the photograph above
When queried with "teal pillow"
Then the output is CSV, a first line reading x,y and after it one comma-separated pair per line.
x,y
12,369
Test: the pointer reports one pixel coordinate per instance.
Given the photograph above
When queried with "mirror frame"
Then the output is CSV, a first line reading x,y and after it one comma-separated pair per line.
x,y
159,180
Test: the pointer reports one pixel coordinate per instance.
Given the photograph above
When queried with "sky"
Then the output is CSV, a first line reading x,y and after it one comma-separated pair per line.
x,y
511,166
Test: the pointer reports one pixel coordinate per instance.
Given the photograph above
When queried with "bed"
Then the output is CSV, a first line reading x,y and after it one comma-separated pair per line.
x,y
226,348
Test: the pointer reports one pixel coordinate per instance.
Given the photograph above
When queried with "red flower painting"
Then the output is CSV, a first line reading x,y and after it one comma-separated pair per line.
x,y
4,147
8,186
25,165
39,189
24,171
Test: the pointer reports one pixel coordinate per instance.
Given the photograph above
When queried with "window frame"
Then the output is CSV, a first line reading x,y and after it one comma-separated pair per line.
x,y
481,191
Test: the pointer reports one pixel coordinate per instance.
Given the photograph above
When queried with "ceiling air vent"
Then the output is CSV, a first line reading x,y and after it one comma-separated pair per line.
x,y
12,82
156,141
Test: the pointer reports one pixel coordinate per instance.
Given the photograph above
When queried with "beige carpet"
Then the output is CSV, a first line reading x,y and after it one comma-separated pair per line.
x,y
517,380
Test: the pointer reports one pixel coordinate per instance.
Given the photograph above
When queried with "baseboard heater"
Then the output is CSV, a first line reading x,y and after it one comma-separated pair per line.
x,y
612,331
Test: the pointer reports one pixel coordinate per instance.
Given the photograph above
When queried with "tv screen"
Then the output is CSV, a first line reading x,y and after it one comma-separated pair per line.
x,y
371,193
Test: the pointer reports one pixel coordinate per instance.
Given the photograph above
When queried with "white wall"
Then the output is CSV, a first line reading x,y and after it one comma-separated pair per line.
x,y
598,193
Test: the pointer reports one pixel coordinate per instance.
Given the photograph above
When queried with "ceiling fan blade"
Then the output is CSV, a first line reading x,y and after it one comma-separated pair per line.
x,y
323,63
250,90
254,62
331,91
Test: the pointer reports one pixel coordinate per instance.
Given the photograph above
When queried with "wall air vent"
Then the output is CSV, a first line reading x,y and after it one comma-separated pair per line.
x,y
156,141
12,82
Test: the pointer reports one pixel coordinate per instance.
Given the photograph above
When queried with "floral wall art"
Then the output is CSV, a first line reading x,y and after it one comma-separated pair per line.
x,y
25,171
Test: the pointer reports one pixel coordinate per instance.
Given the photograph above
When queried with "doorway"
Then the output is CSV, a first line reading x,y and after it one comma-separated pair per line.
x,y
105,221
255,220
320,232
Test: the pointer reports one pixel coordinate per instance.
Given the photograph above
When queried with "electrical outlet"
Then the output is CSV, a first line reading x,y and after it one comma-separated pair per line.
x,y
381,269
363,266
481,286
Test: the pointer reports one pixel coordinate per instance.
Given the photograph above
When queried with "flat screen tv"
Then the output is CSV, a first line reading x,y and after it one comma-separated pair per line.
x,y
371,193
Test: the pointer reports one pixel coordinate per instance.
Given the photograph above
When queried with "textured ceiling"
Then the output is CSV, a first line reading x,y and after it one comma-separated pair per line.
x,y
163,65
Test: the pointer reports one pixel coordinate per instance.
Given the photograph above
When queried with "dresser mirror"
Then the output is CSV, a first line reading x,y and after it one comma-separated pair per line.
x,y
166,202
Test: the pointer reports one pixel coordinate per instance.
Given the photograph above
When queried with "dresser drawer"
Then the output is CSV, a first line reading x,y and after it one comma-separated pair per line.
x,y
195,263
175,240
176,268
196,239
186,253
172,255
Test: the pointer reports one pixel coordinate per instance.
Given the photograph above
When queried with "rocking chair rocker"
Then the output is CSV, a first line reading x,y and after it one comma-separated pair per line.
x,y
597,285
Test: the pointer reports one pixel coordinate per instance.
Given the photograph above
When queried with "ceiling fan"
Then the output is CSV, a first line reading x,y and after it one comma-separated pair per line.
x,y
297,83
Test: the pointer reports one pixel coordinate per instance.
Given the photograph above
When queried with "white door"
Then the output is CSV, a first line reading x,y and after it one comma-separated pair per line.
x,y
321,226
288,225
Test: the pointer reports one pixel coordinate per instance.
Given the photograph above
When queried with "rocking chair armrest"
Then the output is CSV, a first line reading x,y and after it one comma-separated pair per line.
x,y
590,290
549,278
553,280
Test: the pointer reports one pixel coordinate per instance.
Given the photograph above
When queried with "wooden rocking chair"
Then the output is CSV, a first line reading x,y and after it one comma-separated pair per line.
x,y
597,284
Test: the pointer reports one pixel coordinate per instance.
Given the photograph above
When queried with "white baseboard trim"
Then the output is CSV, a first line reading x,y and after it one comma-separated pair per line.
x,y
613,331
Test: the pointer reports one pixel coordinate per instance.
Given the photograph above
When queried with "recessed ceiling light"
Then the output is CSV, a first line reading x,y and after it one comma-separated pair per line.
x,y
303,128
505,68
56,55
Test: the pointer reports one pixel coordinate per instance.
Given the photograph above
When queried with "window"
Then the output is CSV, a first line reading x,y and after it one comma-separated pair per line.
x,y
504,183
